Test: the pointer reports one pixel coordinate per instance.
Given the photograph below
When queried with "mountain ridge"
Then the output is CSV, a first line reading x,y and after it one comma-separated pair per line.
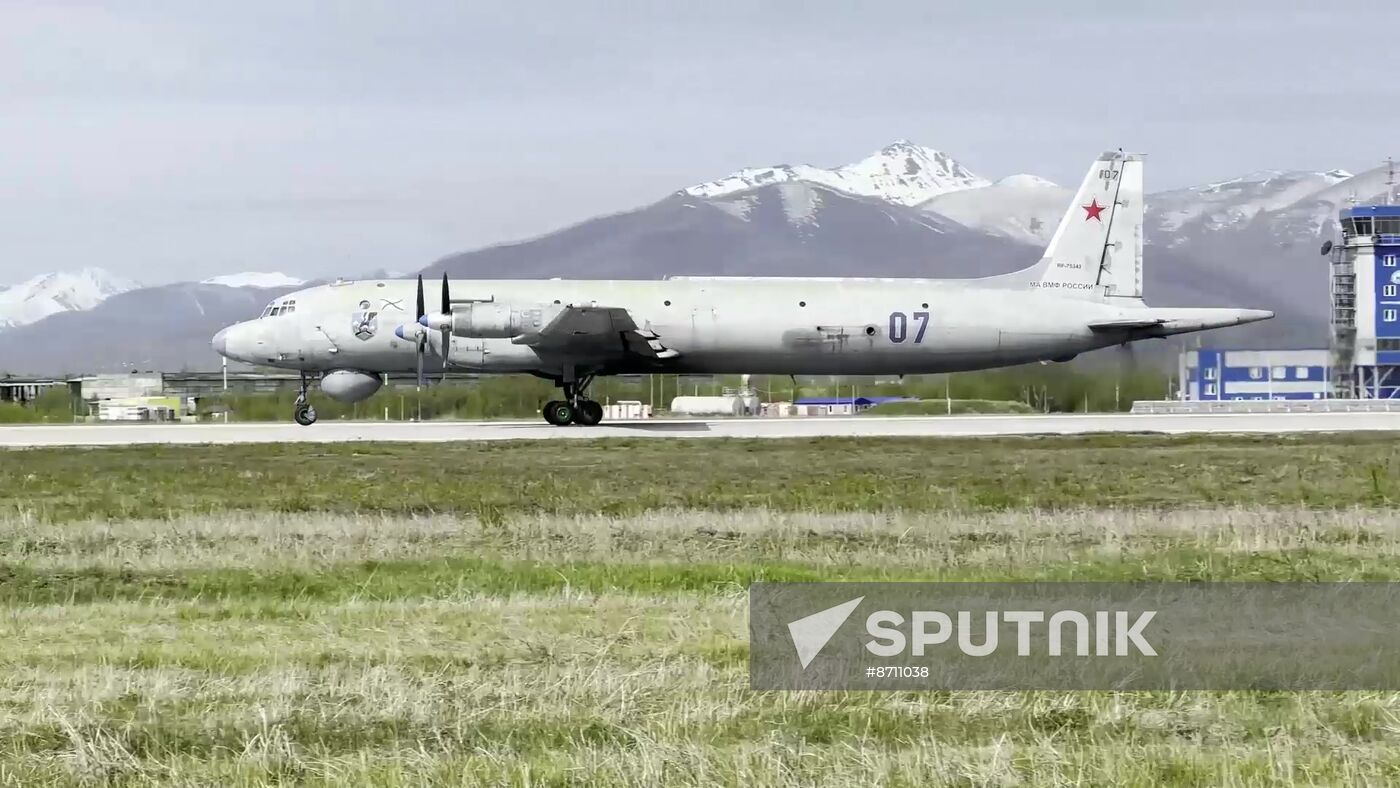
x,y
902,173
1242,241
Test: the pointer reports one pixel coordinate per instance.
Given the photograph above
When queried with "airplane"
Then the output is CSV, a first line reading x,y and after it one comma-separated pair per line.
x,y
1085,293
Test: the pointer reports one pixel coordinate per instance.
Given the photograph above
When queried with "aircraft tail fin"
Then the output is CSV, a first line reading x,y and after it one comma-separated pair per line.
x,y
1096,251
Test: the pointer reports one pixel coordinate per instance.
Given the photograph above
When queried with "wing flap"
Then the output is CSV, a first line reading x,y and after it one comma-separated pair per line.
x,y
1118,325
597,331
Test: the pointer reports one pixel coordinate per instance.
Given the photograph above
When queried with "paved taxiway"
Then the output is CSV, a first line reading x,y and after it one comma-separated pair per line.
x,y
947,426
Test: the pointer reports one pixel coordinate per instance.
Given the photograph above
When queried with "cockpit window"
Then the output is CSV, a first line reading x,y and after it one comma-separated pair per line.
x,y
277,308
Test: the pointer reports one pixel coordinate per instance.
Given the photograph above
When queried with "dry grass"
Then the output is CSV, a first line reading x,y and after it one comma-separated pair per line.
x,y
897,540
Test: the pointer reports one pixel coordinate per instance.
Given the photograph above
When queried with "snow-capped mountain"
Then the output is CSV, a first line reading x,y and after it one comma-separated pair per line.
x,y
1316,214
255,279
902,173
1021,207
1237,201
907,210
62,291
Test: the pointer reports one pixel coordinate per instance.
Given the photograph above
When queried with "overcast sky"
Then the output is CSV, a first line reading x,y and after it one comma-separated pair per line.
x,y
169,141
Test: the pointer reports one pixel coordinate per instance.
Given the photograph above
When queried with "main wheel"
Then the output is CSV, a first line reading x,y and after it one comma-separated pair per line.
x,y
305,415
559,413
589,413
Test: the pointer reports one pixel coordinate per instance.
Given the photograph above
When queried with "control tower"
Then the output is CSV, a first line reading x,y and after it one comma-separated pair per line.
x,y
1365,287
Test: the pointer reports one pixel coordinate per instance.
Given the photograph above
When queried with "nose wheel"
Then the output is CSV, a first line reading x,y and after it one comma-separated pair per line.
x,y
303,414
575,408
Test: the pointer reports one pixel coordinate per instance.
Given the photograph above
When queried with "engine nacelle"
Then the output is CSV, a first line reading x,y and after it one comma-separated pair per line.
x,y
349,385
492,320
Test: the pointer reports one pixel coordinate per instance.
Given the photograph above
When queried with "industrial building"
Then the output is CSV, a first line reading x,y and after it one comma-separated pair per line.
x,y
1365,357
25,390
841,406
149,396
163,396
159,396
1362,359
1217,375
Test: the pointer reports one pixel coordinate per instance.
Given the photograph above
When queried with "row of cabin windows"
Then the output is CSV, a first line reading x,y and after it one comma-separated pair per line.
x,y
1388,345
279,308
1366,225
1257,373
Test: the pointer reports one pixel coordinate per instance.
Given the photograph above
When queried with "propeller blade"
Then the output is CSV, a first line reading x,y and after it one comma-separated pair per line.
x,y
422,307
446,333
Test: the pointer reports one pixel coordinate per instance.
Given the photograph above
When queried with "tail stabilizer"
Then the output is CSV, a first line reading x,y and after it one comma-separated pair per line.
x,y
1096,251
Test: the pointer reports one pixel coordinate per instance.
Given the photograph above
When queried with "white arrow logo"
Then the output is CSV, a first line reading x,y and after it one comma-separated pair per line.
x,y
811,633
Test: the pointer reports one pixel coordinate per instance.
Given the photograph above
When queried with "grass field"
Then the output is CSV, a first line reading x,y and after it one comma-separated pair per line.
x,y
625,477
576,614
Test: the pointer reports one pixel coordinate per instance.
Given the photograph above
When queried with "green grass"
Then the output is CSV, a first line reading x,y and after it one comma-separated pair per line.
x,y
356,616
495,480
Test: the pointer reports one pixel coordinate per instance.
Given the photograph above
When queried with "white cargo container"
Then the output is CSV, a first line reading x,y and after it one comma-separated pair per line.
x,y
707,406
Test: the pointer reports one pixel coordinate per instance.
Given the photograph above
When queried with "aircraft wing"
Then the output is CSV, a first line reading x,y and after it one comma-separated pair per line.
x,y
1162,322
597,331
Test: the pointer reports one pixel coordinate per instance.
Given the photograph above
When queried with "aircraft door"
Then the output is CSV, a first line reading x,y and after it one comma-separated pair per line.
x,y
704,322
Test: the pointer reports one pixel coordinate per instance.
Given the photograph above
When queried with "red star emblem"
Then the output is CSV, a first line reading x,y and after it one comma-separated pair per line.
x,y
1092,210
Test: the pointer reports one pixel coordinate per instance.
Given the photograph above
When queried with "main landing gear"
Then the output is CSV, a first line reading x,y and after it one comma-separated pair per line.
x,y
575,408
305,415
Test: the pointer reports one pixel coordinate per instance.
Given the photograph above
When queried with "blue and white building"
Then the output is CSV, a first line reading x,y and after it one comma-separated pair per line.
x,y
1365,362
1362,360
842,406
1216,375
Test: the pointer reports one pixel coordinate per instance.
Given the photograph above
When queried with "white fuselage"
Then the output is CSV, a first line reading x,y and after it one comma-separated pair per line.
x,y
1084,293
717,325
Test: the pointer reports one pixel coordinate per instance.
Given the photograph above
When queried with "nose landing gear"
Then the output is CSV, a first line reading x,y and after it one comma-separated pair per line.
x,y
575,408
304,414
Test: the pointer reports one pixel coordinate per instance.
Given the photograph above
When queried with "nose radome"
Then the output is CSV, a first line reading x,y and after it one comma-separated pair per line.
x,y
220,342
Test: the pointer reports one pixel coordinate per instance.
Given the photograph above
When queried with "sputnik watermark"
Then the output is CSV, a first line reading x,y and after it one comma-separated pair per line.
x,y
1099,633
1120,627
1074,635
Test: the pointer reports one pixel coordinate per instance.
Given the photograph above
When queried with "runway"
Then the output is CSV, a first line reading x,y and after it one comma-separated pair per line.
x,y
25,436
